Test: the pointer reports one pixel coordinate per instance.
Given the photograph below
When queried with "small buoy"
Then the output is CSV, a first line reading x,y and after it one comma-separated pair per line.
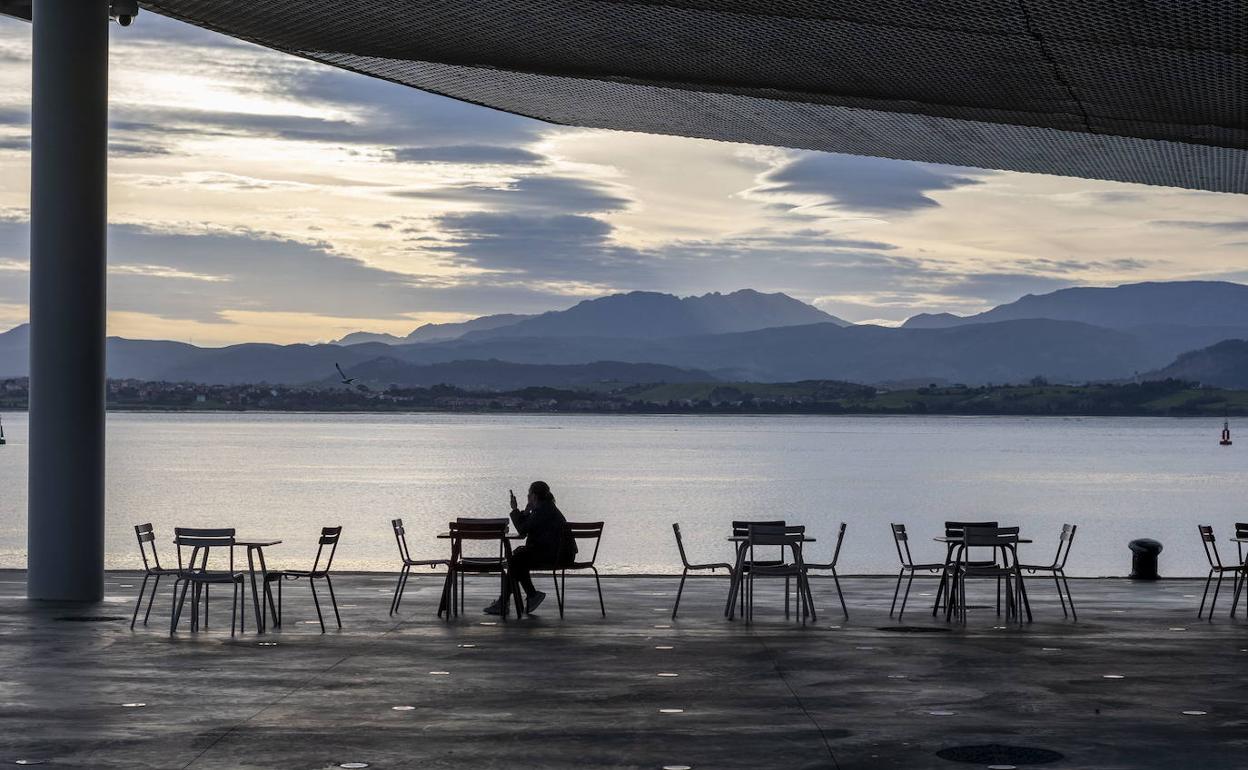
x,y
1226,434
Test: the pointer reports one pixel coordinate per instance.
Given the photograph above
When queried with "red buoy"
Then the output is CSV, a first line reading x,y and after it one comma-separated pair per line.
x,y
1226,434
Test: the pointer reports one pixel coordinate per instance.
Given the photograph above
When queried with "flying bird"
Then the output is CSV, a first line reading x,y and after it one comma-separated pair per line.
x,y
345,379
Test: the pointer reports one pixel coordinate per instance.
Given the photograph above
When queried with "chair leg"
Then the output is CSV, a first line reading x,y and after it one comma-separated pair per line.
x,y
151,599
1200,612
680,590
896,591
786,597
906,597
1070,599
563,591
837,580
1060,595
317,602
333,600
175,613
195,594
233,608
143,590
554,578
278,622
206,588
1216,589
601,604
394,600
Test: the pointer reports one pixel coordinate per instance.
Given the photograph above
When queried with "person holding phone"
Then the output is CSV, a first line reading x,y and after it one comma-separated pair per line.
x,y
546,545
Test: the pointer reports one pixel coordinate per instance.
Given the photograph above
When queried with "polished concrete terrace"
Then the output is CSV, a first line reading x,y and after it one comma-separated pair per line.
x,y
588,692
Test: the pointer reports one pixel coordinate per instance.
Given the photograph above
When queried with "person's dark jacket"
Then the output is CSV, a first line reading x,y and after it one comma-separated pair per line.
x,y
542,526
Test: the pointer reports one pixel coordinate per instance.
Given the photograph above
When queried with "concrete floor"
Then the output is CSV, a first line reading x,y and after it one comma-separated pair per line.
x,y
585,692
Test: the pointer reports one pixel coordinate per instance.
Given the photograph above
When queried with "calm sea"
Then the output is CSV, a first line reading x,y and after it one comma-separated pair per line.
x,y
283,476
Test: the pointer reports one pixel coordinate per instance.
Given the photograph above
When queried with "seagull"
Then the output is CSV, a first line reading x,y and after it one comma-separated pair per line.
x,y
345,379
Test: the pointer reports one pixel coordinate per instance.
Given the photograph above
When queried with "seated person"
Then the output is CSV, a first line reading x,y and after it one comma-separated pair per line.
x,y
546,545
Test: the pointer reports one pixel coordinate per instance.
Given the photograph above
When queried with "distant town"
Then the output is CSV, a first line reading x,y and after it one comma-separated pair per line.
x,y
1161,398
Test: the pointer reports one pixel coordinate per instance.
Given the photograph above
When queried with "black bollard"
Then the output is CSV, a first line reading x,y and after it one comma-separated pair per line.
x,y
1144,558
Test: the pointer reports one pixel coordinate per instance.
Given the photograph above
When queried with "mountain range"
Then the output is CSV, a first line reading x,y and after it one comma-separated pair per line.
x,y
1070,335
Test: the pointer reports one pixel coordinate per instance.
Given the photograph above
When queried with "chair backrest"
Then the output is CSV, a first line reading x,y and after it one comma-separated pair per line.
x,y
201,541
467,529
840,538
989,537
902,541
400,537
956,528
742,528
584,530
146,535
770,534
1064,542
783,536
329,537
1241,529
680,545
1211,545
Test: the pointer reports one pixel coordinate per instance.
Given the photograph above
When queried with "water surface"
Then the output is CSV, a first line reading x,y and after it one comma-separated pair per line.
x,y
283,476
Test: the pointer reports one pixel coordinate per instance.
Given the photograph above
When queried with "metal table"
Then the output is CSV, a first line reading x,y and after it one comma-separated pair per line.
x,y
946,589
255,549
738,571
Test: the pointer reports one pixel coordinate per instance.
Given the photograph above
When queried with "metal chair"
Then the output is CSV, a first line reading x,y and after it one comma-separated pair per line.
x,y
1003,540
1241,534
742,529
151,569
954,531
684,559
793,568
902,542
1215,568
194,572
476,530
329,537
585,530
831,566
400,537
1058,569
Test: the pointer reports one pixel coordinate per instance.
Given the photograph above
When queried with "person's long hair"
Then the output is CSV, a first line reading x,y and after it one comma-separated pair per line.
x,y
541,490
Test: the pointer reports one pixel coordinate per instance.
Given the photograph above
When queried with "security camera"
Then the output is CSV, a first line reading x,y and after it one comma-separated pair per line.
x,y
124,11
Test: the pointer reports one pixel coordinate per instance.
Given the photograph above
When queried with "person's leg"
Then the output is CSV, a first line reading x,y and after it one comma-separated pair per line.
x,y
521,564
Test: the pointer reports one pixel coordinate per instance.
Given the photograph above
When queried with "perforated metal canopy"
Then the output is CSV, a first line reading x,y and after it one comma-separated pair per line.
x,y
1152,91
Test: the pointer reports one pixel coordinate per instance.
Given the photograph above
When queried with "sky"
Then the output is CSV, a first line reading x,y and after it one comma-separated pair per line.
x,y
255,196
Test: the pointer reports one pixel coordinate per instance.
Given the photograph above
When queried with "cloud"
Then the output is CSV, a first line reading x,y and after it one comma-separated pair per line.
x,y
477,154
851,183
550,194
1232,226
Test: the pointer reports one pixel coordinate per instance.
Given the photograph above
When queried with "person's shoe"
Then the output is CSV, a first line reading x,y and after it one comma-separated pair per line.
x,y
534,601
495,609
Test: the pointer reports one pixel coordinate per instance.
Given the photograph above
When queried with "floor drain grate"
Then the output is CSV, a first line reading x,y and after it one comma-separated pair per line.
x,y
914,629
90,618
996,754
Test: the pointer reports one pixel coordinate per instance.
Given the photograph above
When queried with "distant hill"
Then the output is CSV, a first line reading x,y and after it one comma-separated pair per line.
x,y
14,351
436,332
1224,365
501,375
638,314
651,315
743,336
1174,303
1013,351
